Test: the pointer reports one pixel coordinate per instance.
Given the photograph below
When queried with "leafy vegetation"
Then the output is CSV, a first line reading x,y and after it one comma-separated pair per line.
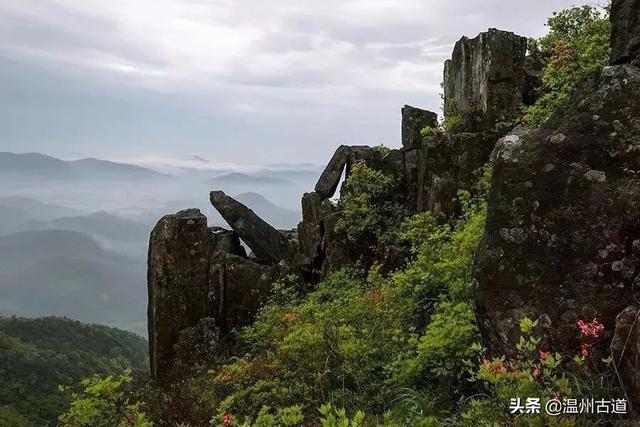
x,y
577,44
39,355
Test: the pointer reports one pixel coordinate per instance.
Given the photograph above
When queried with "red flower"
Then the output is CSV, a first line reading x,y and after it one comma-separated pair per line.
x,y
544,354
227,419
590,330
585,350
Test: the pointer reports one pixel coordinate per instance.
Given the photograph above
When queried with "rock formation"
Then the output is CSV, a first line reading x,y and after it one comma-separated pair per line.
x,y
486,78
413,121
266,242
330,178
625,32
625,349
202,284
562,240
179,251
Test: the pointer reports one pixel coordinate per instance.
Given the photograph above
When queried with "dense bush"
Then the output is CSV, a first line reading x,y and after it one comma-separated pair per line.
x,y
39,355
577,44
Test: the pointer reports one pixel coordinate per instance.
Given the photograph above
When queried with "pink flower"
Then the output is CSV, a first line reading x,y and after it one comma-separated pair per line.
x,y
536,372
544,354
227,419
585,350
590,330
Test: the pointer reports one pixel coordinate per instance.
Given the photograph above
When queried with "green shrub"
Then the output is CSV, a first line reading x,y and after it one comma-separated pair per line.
x,y
576,45
102,403
369,210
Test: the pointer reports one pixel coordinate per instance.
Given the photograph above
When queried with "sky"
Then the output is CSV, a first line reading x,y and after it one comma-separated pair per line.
x,y
247,81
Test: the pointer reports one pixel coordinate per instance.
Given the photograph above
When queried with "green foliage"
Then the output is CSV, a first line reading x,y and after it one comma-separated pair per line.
x,y
369,211
102,403
10,418
537,373
332,417
364,340
431,131
38,355
382,149
458,118
577,44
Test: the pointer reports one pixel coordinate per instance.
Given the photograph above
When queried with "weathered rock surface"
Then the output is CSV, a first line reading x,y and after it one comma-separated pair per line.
x,y
330,178
225,242
197,347
266,242
625,349
237,287
562,240
178,266
201,287
625,32
413,121
486,77
449,163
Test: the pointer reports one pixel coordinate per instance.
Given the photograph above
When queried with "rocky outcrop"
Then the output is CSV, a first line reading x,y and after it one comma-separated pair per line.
x,y
179,250
201,286
413,121
486,78
202,283
266,242
625,32
625,350
330,178
446,164
562,239
237,286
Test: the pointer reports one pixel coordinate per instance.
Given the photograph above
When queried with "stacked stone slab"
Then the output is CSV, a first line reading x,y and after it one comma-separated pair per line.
x,y
486,78
201,283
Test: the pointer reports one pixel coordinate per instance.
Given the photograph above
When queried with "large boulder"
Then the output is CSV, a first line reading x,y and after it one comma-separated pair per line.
x,y
266,242
445,164
562,239
177,282
625,32
625,350
413,121
486,78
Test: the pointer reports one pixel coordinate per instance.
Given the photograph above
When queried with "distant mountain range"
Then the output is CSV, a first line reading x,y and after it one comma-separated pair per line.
x,y
34,209
40,166
236,178
67,273
274,215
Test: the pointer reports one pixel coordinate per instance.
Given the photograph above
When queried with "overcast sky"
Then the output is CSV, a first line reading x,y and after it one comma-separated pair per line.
x,y
255,81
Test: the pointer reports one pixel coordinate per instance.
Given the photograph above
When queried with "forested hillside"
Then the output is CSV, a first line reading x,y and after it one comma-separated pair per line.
x,y
43,360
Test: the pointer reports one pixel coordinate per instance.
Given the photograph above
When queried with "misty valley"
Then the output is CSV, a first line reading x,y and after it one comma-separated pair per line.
x,y
74,234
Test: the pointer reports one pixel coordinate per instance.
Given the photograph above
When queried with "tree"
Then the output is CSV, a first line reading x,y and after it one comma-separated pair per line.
x,y
576,45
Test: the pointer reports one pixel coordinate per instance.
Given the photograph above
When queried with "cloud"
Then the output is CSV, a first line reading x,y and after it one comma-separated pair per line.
x,y
282,69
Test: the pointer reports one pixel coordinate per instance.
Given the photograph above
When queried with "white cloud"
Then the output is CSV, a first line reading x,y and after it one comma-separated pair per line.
x,y
308,60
